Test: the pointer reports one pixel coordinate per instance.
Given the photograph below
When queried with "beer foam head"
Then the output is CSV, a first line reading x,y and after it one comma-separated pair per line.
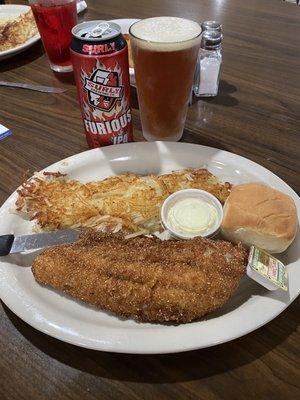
x,y
166,33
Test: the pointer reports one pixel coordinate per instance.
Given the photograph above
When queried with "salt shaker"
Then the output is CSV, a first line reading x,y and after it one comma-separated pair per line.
x,y
207,75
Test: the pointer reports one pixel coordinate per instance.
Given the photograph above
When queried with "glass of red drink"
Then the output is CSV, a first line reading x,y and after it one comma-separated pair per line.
x,y
55,20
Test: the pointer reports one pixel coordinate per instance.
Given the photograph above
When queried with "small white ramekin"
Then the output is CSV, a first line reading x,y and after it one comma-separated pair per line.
x,y
192,193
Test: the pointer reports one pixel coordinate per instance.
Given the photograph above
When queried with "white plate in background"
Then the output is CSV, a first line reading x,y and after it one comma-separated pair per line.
x,y
10,11
125,24
74,322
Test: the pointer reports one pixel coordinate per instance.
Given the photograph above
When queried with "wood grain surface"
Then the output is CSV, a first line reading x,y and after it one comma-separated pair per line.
x,y
256,115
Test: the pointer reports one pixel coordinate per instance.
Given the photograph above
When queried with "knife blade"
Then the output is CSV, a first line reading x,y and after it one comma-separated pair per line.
x,y
39,88
16,244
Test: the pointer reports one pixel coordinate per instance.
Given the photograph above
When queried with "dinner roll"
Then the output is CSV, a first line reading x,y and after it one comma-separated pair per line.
x,y
257,214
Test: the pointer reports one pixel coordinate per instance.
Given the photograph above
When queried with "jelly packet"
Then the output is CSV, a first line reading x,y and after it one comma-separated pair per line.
x,y
267,270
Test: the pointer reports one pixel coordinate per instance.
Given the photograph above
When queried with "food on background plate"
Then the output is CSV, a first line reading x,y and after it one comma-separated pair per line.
x,y
14,32
145,278
256,214
129,202
130,60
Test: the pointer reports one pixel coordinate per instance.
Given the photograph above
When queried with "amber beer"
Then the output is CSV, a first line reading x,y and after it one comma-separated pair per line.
x,y
164,52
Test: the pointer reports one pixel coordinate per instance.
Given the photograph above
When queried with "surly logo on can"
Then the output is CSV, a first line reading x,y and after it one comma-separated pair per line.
x,y
106,107
103,89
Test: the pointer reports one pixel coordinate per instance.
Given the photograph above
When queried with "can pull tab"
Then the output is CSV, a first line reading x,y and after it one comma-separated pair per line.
x,y
99,30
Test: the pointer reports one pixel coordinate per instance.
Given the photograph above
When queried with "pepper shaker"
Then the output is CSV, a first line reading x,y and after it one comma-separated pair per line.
x,y
207,75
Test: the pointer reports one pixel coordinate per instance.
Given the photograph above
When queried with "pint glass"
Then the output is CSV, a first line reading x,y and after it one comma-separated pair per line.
x,y
55,20
164,52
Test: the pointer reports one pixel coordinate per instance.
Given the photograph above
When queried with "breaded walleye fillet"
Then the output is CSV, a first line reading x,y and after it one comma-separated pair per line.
x,y
130,202
144,278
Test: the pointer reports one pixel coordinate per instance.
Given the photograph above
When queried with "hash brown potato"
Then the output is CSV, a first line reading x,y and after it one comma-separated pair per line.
x,y
17,31
128,202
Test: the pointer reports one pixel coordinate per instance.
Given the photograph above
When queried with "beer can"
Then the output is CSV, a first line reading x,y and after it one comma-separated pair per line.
x,y
99,56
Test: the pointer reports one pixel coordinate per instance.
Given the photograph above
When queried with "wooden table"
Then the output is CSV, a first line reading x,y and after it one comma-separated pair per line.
x,y
255,115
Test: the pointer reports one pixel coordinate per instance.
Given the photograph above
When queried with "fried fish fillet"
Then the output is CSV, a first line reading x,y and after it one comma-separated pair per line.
x,y
145,278
17,31
130,202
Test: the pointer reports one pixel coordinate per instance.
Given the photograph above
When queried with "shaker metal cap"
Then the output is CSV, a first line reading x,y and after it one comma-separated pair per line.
x,y
211,26
211,40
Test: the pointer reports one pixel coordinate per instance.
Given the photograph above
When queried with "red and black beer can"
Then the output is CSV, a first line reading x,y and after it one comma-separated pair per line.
x,y
100,61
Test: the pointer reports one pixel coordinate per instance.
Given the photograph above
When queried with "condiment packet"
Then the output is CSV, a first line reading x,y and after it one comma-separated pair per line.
x,y
4,132
267,270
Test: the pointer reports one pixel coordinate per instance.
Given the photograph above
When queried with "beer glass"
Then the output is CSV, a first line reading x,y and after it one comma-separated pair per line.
x,y
165,51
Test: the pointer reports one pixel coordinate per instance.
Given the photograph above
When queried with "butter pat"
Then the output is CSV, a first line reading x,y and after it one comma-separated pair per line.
x,y
267,270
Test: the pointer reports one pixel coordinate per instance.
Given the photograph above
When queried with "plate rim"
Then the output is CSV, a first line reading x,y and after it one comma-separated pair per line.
x,y
171,348
29,42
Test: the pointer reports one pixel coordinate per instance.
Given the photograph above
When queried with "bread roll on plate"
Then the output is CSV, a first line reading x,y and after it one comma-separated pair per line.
x,y
257,214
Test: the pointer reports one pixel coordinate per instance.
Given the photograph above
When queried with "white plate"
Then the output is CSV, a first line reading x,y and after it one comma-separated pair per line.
x,y
10,11
53,313
125,24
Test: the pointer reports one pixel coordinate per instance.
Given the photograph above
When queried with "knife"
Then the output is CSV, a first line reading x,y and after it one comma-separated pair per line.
x,y
39,88
16,244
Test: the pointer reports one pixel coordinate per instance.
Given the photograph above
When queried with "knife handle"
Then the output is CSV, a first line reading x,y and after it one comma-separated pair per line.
x,y
6,242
